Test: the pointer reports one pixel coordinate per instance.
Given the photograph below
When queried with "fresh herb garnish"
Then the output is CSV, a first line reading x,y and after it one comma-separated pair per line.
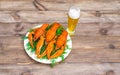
x,y
62,57
44,57
53,63
30,30
59,30
43,49
24,37
28,46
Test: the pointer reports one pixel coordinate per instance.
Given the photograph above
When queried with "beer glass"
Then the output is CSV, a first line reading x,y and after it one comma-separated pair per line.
x,y
73,17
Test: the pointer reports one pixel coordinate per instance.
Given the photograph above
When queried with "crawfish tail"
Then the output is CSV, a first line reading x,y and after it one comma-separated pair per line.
x,y
49,48
30,38
62,39
41,55
58,53
39,45
51,32
55,26
40,31
44,26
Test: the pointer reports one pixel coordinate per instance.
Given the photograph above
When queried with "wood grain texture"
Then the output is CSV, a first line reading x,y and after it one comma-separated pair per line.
x,y
83,29
61,5
96,44
51,16
83,4
88,49
17,5
62,69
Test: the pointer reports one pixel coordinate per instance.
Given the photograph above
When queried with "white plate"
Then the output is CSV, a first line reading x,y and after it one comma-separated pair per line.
x,y
29,51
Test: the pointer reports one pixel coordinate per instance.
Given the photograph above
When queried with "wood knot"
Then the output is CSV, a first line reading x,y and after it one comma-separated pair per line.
x,y
111,72
18,34
98,14
39,6
16,16
103,31
19,28
27,73
111,46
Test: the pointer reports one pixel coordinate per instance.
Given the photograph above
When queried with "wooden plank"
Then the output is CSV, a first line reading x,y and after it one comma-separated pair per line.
x,y
60,5
88,49
17,5
83,29
83,4
13,55
16,0
69,1
60,16
97,48
61,69
98,29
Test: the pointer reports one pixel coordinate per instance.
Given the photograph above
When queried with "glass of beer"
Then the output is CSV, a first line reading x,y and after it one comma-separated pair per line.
x,y
73,17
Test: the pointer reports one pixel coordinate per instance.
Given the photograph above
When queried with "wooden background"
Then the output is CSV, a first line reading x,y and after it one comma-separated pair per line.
x,y
96,45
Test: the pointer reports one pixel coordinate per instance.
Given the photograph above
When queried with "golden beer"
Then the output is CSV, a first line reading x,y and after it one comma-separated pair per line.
x,y
73,17
72,23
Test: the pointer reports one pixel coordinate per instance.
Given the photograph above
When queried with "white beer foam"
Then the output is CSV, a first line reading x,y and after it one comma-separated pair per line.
x,y
74,12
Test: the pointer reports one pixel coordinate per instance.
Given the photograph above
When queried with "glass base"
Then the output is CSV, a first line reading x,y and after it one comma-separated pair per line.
x,y
70,33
